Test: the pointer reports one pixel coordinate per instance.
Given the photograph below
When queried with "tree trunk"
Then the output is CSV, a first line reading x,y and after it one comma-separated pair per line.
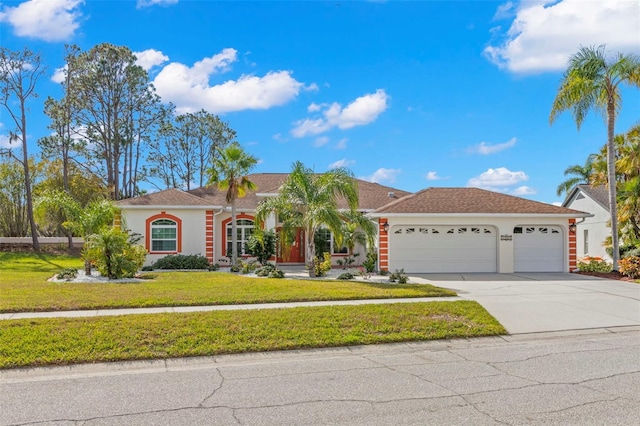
x,y
611,176
311,252
27,179
234,237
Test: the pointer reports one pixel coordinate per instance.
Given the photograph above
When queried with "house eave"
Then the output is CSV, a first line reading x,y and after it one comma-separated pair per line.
x,y
168,207
502,215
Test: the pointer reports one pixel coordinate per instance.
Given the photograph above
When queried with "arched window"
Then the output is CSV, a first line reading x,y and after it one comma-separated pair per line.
x,y
244,231
164,236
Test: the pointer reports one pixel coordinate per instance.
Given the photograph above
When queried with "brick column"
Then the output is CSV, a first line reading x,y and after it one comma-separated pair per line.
x,y
209,236
573,264
383,245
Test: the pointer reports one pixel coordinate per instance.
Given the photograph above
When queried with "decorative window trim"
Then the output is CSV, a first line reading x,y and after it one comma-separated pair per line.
x,y
163,215
227,221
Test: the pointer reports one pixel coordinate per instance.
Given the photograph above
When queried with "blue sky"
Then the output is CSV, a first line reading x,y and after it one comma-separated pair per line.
x,y
407,94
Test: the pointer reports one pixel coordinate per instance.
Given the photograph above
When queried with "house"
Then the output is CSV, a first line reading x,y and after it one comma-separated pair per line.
x,y
445,230
199,221
434,230
591,232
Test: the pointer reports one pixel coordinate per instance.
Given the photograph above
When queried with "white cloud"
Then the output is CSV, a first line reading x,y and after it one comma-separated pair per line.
x,y
361,111
148,3
59,74
523,190
433,176
321,141
383,175
498,179
544,34
188,87
341,163
48,20
486,149
342,143
314,107
150,58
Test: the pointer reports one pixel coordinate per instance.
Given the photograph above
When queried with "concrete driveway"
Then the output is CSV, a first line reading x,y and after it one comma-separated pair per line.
x,y
539,302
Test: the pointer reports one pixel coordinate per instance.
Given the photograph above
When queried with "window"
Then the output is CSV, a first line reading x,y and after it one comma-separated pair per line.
x,y
586,241
326,236
244,231
164,236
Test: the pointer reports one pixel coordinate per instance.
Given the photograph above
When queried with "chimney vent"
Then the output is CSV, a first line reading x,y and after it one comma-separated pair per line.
x,y
390,194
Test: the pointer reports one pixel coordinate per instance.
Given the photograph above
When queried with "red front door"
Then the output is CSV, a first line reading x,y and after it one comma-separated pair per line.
x,y
295,253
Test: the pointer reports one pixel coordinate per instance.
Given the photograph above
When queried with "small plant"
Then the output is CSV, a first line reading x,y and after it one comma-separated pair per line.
x,y
214,267
265,270
113,254
345,276
234,268
362,271
370,261
383,272
322,266
398,276
347,261
182,261
67,274
594,264
276,273
248,267
147,268
630,266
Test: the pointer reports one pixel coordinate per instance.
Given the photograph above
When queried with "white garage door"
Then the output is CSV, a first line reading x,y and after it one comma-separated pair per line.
x,y
538,248
437,248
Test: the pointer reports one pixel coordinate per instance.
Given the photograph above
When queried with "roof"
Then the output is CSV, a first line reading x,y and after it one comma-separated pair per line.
x,y
371,195
168,197
470,201
598,193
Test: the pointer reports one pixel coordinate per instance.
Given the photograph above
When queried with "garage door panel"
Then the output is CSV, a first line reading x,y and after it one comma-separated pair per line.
x,y
437,248
538,249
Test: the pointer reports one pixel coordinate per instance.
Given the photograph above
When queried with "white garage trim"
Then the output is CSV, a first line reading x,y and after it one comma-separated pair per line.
x,y
443,248
538,248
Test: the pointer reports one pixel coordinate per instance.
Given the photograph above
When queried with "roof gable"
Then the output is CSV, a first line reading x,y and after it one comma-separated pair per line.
x,y
469,201
168,197
598,193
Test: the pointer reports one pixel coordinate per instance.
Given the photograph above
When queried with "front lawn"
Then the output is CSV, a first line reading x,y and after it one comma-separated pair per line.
x,y
23,288
60,341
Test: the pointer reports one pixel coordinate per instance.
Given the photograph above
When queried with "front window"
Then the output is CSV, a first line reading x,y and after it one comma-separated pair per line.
x,y
328,242
164,235
244,231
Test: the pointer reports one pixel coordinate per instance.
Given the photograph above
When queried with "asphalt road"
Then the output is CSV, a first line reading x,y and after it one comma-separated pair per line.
x,y
584,377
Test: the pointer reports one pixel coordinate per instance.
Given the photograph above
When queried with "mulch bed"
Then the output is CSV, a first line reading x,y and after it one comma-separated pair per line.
x,y
614,275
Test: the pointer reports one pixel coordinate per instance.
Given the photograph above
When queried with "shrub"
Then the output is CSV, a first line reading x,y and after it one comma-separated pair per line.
x,y
214,267
234,268
345,276
630,266
276,273
594,264
370,261
248,267
147,268
113,254
265,270
321,266
263,247
67,274
383,272
398,276
182,261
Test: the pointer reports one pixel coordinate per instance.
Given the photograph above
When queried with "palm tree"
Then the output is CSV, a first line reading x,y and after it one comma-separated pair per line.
x,y
628,166
593,82
308,200
581,175
229,173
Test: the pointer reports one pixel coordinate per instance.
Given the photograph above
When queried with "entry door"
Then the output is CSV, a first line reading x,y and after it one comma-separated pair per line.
x,y
295,253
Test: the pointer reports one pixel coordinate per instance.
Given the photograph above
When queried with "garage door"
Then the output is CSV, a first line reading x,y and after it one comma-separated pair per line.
x,y
538,249
437,248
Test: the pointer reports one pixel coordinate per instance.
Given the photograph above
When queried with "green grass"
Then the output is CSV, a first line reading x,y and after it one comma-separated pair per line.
x,y
24,288
60,341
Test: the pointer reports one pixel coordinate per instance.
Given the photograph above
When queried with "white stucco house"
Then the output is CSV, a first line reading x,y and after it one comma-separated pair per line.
x,y
441,230
592,231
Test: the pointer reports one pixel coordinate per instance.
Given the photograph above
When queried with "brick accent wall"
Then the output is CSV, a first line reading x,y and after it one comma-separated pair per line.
x,y
209,236
383,245
573,261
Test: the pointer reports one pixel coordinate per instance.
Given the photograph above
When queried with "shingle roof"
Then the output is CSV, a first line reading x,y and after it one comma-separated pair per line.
x,y
469,200
372,195
599,193
168,197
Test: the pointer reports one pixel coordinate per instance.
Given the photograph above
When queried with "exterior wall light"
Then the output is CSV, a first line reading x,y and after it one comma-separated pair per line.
x,y
573,227
385,226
